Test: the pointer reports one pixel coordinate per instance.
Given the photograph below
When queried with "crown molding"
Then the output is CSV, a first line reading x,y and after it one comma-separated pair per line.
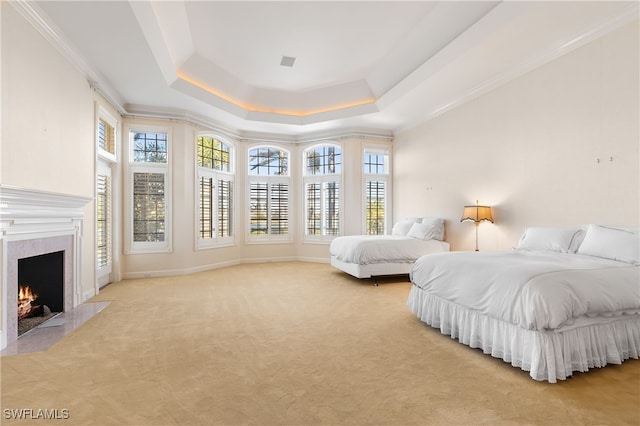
x,y
206,124
175,114
570,44
37,19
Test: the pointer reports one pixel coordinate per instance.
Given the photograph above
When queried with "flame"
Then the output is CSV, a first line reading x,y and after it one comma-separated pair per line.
x,y
25,297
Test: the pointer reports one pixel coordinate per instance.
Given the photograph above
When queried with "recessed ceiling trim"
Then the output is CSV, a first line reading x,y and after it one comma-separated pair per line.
x,y
205,122
152,32
278,111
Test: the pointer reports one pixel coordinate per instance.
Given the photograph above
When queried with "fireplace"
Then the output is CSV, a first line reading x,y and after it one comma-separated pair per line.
x,y
45,265
40,289
41,236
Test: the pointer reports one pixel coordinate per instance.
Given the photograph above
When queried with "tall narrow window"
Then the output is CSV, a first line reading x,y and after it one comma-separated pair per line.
x,y
215,192
279,203
103,220
206,207
149,226
322,181
149,207
376,178
269,184
106,134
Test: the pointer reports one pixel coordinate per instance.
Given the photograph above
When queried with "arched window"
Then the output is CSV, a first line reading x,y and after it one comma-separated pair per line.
x,y
269,183
215,195
322,182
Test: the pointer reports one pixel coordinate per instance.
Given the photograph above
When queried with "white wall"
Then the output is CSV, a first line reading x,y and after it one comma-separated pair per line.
x,y
47,124
185,258
528,148
48,143
531,148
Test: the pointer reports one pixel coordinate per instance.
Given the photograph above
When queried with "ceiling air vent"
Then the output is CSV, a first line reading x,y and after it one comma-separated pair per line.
x,y
287,61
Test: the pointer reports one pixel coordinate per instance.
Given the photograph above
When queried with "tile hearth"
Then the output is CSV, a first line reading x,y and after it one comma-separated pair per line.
x,y
51,331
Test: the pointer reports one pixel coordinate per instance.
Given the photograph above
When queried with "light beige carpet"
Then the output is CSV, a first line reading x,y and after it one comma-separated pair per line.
x,y
294,344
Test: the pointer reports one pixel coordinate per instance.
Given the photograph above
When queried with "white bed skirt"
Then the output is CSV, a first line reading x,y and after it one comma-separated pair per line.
x,y
546,355
372,269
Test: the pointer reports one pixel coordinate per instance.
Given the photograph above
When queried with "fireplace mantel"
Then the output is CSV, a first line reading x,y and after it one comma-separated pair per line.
x,y
27,210
38,218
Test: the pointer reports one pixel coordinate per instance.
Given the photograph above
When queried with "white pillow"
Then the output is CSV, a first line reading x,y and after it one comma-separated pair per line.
x,y
438,225
554,239
423,231
402,227
618,244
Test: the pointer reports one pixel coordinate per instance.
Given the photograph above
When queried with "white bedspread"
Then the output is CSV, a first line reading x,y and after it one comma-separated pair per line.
x,y
368,249
533,290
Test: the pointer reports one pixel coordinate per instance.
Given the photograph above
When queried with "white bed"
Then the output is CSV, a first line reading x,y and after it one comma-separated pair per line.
x,y
366,256
552,306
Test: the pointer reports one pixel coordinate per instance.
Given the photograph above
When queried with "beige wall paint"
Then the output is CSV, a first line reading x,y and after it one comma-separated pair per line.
x,y
528,148
531,148
47,124
47,112
184,257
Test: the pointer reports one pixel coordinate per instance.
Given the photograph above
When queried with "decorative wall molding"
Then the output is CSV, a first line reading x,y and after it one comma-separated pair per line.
x,y
24,211
37,218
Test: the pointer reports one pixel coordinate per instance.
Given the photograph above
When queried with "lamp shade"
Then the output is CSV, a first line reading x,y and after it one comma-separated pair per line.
x,y
477,214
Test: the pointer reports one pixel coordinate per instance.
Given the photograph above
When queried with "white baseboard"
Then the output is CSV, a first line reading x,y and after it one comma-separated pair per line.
x,y
188,271
88,295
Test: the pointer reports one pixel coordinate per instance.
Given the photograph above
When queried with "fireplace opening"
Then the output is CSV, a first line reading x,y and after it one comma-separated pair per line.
x,y
40,289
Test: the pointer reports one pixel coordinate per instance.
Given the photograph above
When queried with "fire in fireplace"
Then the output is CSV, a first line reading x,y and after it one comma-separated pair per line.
x,y
40,289
25,299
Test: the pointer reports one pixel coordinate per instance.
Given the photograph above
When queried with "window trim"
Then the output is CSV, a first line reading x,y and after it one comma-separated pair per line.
x,y
377,177
106,163
104,169
216,175
104,155
144,247
322,179
270,180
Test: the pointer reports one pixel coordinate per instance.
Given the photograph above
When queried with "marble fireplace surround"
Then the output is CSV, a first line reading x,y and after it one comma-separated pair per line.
x,y
33,223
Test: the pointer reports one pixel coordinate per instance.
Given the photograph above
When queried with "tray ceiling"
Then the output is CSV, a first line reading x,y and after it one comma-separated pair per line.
x,y
382,66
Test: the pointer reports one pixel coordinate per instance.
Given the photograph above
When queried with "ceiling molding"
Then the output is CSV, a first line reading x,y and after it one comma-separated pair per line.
x,y
289,128
203,123
148,23
188,72
495,18
367,134
206,124
535,61
31,13
297,105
